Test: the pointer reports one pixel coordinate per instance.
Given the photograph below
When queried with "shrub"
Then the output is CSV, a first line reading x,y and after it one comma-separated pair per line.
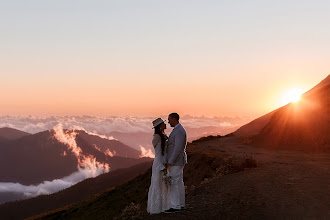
x,y
132,211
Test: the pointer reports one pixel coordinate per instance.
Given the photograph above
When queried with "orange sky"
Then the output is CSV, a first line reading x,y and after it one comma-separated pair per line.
x,y
215,58
222,95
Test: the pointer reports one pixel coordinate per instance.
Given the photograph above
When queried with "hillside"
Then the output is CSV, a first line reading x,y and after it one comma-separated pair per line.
x,y
11,133
254,127
202,167
284,185
304,125
39,157
116,147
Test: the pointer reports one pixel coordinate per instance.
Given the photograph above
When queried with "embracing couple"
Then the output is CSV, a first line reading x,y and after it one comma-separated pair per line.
x,y
166,192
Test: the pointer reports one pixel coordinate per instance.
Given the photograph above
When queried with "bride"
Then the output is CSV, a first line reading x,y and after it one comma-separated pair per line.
x,y
159,193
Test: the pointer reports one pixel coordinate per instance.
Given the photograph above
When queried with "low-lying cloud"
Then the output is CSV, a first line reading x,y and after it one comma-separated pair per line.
x,y
146,152
47,187
106,125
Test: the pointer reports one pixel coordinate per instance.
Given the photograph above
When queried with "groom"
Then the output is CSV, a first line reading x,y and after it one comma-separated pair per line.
x,y
176,159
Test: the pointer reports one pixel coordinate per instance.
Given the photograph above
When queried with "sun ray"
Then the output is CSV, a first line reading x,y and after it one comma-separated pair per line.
x,y
292,95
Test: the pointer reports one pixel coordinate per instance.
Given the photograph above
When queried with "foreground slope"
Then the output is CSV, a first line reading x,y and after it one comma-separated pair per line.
x,y
284,185
202,167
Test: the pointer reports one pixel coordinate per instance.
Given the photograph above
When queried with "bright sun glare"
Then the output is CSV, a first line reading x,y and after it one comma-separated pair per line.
x,y
293,95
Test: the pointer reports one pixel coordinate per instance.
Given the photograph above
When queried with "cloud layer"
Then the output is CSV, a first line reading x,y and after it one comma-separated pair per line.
x,y
106,125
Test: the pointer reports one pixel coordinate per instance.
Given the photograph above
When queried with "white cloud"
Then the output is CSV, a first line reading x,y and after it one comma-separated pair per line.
x,y
104,125
146,152
46,187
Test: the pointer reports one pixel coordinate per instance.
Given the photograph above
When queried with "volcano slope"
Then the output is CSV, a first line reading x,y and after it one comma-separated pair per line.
x,y
284,185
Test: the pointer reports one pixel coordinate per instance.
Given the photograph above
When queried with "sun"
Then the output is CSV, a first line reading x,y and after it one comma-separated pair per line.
x,y
292,95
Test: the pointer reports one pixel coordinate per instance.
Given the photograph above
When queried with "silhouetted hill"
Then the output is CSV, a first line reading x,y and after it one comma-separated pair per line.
x,y
303,125
11,133
120,149
35,158
71,195
254,127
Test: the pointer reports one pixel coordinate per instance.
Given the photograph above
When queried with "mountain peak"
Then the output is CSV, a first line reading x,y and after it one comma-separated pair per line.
x,y
11,133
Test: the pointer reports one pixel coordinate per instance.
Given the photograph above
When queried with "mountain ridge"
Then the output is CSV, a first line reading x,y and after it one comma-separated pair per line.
x,y
12,133
56,158
304,125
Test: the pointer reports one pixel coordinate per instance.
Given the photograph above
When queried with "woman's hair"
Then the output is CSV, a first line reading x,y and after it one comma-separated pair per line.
x,y
162,137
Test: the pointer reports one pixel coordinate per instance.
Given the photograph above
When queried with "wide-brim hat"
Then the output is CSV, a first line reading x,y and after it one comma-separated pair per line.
x,y
157,122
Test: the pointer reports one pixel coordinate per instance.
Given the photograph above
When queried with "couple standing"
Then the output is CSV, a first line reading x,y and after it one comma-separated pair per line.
x,y
166,192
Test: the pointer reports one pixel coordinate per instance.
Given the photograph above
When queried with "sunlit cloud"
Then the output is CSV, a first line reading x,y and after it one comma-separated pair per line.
x,y
110,153
87,166
146,152
88,162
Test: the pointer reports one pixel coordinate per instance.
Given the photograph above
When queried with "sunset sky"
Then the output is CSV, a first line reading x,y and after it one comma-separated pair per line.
x,y
138,57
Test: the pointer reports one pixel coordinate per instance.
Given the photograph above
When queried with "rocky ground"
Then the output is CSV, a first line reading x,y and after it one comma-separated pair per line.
x,y
285,185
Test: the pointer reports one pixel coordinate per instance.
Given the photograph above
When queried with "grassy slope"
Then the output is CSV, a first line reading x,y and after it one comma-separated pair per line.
x,y
200,169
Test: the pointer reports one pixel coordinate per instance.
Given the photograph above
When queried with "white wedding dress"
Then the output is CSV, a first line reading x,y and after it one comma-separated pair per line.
x,y
159,194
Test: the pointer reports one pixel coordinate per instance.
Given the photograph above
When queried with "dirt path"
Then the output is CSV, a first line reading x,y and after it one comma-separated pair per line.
x,y
285,185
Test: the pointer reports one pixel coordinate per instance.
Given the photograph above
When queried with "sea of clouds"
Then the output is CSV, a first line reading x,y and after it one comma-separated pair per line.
x,y
105,125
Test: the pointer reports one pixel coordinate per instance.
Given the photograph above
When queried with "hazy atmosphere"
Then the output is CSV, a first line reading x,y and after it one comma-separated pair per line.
x,y
83,84
235,58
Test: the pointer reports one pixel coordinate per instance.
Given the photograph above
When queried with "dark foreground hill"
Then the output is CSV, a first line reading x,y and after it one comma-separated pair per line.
x,y
201,169
284,185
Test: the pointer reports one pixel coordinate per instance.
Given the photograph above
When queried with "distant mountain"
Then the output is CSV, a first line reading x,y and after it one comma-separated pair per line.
x,y
116,147
11,133
35,158
303,125
134,139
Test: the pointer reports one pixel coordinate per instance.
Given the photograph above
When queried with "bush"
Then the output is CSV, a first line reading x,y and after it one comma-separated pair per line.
x,y
132,211
232,164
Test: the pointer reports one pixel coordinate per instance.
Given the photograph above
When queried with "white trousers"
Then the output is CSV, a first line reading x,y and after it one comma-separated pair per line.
x,y
177,187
